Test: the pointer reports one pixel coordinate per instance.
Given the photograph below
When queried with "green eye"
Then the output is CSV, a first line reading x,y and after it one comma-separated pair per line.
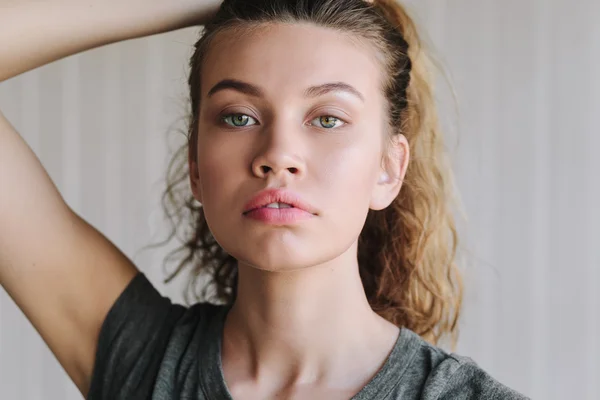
x,y
239,120
327,121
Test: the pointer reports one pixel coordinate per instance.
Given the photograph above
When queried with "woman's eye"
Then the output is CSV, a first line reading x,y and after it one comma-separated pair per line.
x,y
327,121
239,120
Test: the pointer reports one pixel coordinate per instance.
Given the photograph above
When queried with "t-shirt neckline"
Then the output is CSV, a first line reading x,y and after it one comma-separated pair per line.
x,y
390,375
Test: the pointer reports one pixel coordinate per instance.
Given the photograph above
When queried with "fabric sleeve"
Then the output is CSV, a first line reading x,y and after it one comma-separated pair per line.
x,y
469,381
132,342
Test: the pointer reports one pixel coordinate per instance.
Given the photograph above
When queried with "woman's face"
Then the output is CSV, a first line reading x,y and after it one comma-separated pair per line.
x,y
297,108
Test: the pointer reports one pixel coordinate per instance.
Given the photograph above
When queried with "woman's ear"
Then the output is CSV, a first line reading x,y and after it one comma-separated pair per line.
x,y
194,174
391,175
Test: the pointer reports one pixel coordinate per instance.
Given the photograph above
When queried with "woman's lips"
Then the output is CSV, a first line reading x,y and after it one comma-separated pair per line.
x,y
278,216
270,196
295,209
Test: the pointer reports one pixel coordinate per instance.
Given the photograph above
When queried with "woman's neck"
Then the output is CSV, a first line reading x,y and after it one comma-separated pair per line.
x,y
304,326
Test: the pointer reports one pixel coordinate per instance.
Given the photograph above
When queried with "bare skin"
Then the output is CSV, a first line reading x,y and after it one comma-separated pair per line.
x,y
301,327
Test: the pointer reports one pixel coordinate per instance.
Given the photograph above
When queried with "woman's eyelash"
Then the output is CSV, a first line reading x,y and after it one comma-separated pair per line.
x,y
241,120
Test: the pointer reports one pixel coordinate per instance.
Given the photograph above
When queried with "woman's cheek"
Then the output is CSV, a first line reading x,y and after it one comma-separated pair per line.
x,y
350,167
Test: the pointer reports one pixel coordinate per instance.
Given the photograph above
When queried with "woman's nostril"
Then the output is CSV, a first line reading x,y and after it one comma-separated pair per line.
x,y
265,169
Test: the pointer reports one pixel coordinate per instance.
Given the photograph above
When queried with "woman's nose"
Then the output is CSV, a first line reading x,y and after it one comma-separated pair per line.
x,y
279,154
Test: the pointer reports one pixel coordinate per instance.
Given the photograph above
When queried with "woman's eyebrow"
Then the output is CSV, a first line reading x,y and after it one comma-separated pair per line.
x,y
240,86
313,91
325,88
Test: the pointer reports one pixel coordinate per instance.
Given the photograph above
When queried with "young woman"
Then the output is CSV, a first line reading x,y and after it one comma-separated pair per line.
x,y
331,253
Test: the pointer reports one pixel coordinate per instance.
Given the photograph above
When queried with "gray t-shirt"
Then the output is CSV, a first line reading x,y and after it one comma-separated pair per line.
x,y
150,348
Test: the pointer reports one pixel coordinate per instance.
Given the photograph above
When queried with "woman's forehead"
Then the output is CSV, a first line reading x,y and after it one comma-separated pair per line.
x,y
287,59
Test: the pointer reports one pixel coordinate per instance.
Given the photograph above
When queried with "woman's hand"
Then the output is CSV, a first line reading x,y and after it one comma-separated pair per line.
x,y
36,32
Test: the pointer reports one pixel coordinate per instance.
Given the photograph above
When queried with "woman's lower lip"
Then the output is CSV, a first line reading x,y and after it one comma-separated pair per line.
x,y
279,216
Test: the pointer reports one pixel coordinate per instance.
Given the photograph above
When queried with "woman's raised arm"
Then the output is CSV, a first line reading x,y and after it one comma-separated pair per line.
x,y
34,32
61,272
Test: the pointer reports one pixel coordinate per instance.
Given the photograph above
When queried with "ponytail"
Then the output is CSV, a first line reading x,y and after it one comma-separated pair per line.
x,y
407,251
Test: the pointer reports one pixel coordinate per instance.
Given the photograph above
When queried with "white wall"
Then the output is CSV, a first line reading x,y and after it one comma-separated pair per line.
x,y
525,153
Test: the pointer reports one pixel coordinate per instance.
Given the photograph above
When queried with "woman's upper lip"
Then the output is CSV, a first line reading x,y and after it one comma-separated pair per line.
x,y
268,196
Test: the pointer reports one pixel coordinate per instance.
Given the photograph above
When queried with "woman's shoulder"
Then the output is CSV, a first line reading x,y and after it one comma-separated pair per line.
x,y
147,338
145,312
141,293
445,375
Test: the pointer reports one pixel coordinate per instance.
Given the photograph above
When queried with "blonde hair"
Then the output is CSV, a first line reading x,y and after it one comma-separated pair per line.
x,y
406,252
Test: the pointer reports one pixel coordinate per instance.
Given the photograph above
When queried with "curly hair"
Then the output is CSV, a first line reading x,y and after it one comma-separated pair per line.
x,y
406,252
